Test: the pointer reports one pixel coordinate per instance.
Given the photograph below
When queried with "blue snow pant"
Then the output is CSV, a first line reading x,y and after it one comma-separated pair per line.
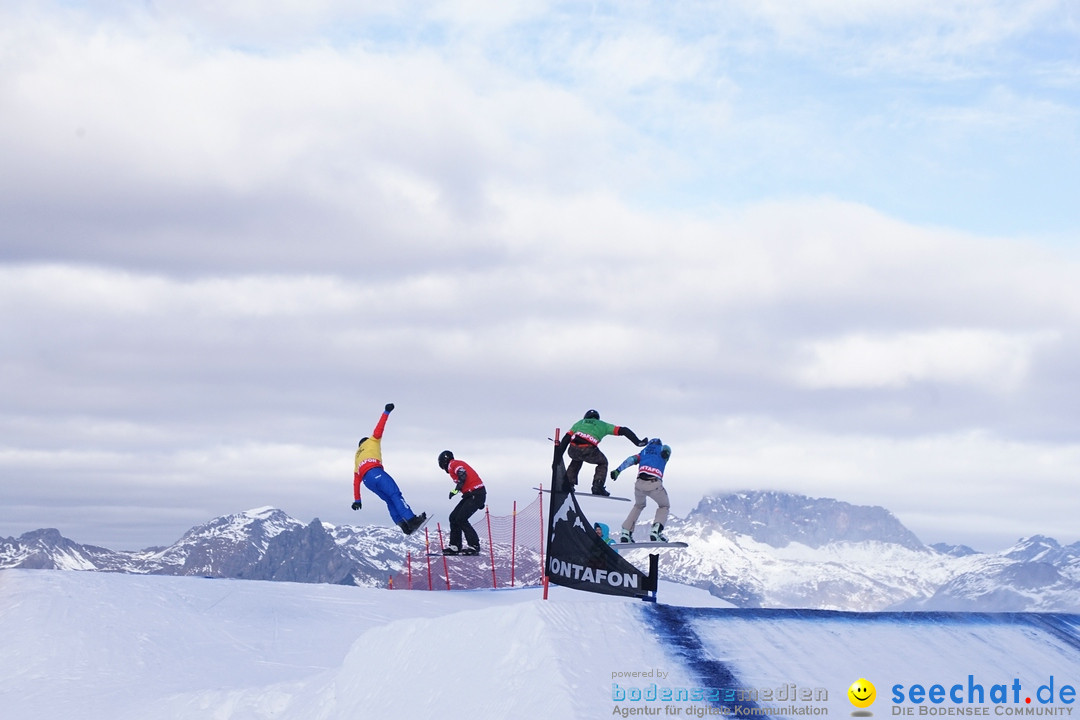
x,y
380,483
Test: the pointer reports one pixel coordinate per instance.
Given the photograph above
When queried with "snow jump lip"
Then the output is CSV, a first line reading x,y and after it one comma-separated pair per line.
x,y
648,545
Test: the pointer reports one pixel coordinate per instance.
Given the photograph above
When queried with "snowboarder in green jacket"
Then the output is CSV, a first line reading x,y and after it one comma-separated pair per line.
x,y
582,442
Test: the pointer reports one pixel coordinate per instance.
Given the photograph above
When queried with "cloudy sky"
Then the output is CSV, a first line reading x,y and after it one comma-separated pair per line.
x,y
815,245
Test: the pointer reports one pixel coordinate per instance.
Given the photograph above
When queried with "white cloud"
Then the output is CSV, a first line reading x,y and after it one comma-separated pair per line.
x,y
954,37
993,360
230,231
54,291
972,487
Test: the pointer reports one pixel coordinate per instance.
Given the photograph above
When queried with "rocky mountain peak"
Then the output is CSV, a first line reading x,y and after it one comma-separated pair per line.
x,y
779,519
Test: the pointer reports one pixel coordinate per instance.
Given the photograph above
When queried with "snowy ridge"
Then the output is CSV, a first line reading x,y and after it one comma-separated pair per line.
x,y
223,545
767,549
47,549
778,519
261,544
753,549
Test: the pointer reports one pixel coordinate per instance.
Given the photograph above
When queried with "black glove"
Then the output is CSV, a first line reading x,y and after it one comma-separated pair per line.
x,y
643,442
389,407
614,474
452,494
357,505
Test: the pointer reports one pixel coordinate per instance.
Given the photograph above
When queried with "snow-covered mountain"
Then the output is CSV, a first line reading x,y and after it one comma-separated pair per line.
x,y
263,544
770,549
753,549
47,549
1035,574
260,544
780,519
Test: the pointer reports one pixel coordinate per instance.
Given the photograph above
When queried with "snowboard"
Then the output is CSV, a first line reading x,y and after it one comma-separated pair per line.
x,y
590,495
649,544
427,519
439,554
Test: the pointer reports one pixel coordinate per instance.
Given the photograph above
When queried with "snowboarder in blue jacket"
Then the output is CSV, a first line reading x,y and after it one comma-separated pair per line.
x,y
650,484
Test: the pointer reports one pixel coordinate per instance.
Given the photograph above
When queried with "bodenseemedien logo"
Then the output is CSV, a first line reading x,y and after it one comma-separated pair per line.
x,y
862,695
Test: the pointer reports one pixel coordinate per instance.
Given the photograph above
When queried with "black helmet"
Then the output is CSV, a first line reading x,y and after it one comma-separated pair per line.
x,y
362,441
592,415
444,459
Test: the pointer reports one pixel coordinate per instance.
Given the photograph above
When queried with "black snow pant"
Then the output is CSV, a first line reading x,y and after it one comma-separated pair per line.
x,y
586,454
459,518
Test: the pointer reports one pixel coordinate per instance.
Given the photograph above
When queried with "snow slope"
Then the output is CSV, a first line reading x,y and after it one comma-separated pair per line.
x,y
104,645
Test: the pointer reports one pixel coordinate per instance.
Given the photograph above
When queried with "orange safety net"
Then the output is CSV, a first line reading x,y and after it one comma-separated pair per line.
x,y
511,554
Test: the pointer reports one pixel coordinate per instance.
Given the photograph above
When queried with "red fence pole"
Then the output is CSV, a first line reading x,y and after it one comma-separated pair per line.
x,y
427,548
543,531
445,562
491,547
543,534
513,545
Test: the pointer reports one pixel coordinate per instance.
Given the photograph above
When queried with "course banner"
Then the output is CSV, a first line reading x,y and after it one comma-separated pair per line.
x,y
576,556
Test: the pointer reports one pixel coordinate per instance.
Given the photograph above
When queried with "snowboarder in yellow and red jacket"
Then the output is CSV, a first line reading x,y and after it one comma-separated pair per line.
x,y
368,470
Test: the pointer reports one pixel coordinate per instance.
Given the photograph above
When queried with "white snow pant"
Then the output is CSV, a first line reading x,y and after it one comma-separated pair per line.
x,y
648,487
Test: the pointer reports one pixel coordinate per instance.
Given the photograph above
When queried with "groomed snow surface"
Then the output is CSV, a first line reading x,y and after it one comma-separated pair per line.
x,y
85,645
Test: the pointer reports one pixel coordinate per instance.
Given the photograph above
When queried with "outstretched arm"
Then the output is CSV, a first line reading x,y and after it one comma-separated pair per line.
x,y
629,435
632,460
381,425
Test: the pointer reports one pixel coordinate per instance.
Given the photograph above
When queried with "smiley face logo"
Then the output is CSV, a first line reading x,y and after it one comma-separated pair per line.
x,y
862,693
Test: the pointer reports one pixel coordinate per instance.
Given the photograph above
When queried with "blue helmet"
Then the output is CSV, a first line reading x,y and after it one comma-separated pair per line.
x,y
665,450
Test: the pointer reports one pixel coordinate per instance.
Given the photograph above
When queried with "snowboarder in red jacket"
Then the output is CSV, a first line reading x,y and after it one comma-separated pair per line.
x,y
473,497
